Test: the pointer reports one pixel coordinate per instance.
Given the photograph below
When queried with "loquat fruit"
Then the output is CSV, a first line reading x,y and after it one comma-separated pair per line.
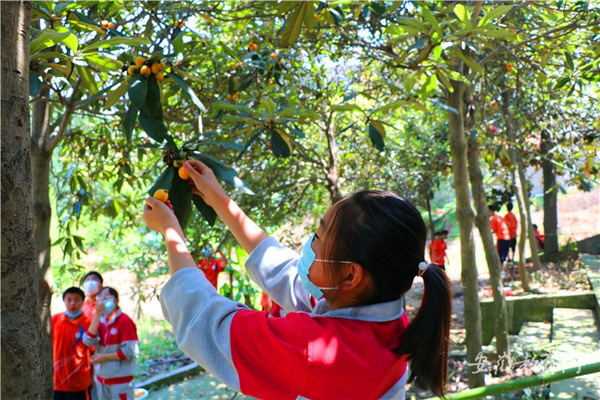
x,y
104,24
183,174
156,68
139,61
132,70
234,96
252,46
274,56
111,25
159,76
145,70
162,195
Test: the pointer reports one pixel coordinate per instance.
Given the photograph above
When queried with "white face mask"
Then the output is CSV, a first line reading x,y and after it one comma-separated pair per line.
x,y
91,287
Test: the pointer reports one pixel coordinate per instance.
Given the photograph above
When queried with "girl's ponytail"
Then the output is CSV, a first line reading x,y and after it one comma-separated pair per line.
x,y
426,340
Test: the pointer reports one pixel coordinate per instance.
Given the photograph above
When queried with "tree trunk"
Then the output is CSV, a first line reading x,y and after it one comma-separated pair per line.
x,y
465,216
22,343
482,220
520,175
41,158
332,176
522,222
550,200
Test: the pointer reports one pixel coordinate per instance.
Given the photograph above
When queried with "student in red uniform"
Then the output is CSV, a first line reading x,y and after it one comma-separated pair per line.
x,y
212,266
356,342
115,336
512,224
437,249
72,375
539,238
499,228
92,283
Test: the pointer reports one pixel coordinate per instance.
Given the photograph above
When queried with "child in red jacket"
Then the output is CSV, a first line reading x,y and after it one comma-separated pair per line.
x,y
72,375
355,343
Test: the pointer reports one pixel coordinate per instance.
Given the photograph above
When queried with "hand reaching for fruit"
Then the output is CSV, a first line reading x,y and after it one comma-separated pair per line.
x,y
206,184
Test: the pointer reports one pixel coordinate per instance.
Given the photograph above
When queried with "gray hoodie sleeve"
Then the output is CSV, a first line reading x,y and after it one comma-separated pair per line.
x,y
274,268
201,320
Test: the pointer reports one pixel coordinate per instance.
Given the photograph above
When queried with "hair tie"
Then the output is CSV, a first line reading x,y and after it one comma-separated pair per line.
x,y
423,265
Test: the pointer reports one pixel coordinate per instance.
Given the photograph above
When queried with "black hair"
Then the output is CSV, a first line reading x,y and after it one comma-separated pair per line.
x,y
94,273
509,206
75,290
386,235
444,232
492,207
112,292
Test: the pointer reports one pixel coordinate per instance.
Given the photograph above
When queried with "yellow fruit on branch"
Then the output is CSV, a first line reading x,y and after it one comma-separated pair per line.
x,y
145,70
159,76
183,174
162,195
132,70
139,61
156,68
252,46
111,25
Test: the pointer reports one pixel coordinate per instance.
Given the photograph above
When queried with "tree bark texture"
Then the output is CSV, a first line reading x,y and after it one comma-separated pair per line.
x,y
23,369
522,237
550,200
465,216
482,221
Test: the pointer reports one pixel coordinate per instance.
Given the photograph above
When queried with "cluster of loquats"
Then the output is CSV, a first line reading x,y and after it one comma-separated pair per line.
x,y
107,25
147,67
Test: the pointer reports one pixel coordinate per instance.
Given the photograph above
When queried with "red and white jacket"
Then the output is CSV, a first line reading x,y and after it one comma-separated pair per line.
x,y
119,335
315,354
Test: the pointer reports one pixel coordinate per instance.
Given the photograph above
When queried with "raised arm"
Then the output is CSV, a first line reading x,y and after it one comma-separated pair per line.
x,y
244,229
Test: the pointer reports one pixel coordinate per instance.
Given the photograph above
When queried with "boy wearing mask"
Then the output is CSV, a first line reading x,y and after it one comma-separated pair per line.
x,y
72,375
92,283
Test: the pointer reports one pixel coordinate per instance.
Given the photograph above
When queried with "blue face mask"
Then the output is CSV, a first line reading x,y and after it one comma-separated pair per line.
x,y
74,315
109,306
307,258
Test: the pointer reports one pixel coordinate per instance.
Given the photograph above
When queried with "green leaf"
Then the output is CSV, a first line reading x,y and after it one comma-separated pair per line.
x,y
230,52
138,89
377,134
269,106
104,63
309,17
431,19
291,29
128,122
347,107
181,197
494,14
164,181
496,33
187,90
209,214
471,63
121,40
223,172
569,60
379,8
155,128
279,145
414,23
562,82
390,106
463,14
153,106
115,95
50,37
219,105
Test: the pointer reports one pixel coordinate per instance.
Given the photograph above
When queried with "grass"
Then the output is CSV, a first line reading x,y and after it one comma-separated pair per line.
x,y
157,343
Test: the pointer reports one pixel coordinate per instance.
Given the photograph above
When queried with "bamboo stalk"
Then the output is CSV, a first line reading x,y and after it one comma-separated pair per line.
x,y
530,381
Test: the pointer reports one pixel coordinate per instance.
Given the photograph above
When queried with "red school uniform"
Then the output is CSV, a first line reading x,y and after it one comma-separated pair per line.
x,y
499,227
212,270
438,251
512,224
71,356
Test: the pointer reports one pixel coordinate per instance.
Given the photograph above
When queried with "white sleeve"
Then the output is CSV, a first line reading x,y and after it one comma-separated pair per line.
x,y
274,268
